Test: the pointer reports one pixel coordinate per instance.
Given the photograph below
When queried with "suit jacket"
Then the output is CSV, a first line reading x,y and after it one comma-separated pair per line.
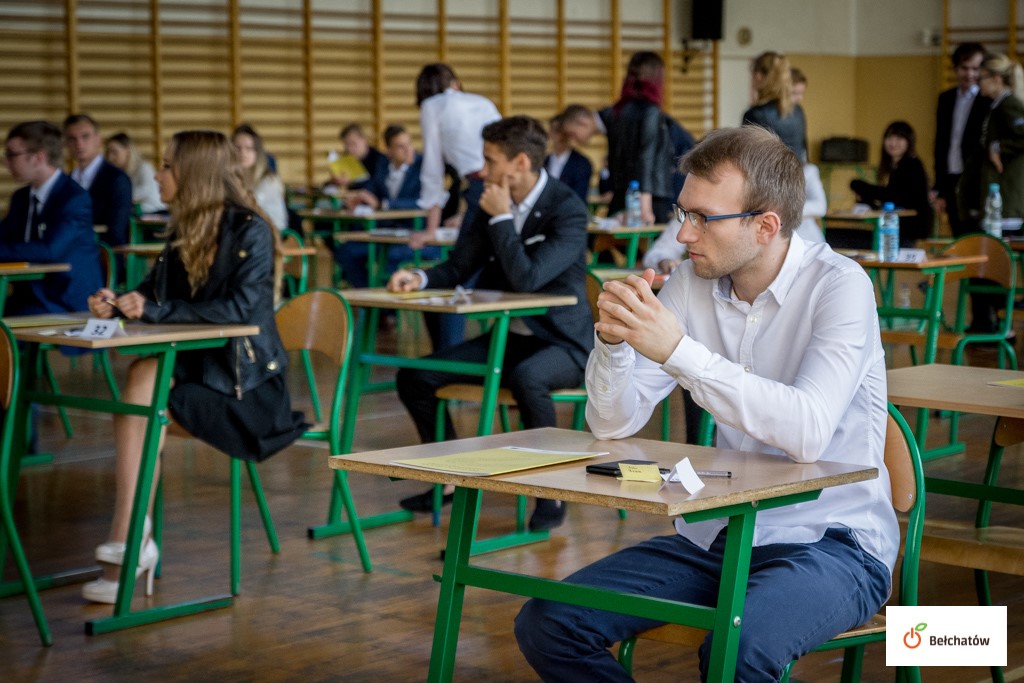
x,y
408,193
63,234
944,130
111,193
548,257
576,173
373,162
1005,126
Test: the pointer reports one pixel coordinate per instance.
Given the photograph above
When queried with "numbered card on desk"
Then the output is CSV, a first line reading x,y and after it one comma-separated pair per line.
x,y
100,328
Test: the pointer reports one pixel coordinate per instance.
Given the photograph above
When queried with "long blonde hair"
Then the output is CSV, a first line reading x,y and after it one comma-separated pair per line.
x,y
1009,71
206,170
776,82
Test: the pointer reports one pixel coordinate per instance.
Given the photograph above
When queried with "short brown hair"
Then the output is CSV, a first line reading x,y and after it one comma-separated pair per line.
x,y
518,134
773,177
41,135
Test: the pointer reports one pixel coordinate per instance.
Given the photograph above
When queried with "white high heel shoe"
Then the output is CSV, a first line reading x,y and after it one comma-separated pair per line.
x,y
102,590
113,551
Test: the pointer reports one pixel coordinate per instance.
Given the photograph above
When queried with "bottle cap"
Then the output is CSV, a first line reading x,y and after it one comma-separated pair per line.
x,y
634,184
888,206
993,187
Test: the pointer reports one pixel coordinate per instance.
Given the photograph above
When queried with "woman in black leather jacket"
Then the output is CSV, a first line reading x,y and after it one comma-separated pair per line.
x,y
217,267
639,140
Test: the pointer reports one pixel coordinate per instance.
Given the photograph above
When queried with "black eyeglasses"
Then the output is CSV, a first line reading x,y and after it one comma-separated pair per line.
x,y
701,221
13,155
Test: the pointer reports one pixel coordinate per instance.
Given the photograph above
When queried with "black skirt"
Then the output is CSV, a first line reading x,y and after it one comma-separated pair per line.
x,y
254,427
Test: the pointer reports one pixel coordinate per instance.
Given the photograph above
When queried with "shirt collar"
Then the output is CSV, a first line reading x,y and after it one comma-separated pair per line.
x,y
534,194
43,191
397,169
87,174
783,282
971,92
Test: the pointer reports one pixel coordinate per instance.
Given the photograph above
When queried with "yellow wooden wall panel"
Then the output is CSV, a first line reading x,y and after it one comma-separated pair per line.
x,y
113,77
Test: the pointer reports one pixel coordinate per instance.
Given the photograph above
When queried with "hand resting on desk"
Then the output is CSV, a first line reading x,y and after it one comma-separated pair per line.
x,y
404,281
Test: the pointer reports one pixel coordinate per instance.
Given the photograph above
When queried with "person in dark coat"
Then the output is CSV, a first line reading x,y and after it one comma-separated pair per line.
x,y
49,221
109,187
530,235
218,267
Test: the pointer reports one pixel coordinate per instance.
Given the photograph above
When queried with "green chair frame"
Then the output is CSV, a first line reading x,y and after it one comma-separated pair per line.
x,y
320,320
10,387
903,461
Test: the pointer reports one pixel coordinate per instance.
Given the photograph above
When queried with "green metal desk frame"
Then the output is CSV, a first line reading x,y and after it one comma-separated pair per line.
x,y
632,244
725,619
931,314
368,223
156,417
359,382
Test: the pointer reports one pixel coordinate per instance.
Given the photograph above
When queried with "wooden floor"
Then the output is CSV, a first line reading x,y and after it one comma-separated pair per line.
x,y
310,613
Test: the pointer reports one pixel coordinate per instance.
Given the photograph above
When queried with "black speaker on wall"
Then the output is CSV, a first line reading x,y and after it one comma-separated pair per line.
x,y
707,19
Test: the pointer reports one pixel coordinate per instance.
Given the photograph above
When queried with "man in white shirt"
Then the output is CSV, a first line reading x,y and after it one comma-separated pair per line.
x,y
778,339
109,187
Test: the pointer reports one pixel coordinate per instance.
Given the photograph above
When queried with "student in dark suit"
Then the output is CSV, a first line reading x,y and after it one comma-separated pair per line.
x,y
355,142
109,187
530,235
958,121
49,221
572,127
395,185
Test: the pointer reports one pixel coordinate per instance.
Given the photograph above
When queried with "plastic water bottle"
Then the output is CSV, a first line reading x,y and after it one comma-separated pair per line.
x,y
889,234
994,211
633,219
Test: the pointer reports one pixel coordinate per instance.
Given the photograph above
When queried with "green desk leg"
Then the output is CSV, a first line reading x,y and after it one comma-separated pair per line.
x,y
3,292
732,593
123,617
449,604
358,378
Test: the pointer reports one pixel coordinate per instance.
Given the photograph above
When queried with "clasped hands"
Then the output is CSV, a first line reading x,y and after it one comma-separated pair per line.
x,y
630,312
106,304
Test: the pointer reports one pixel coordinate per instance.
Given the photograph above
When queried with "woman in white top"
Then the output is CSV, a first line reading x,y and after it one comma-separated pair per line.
x,y
121,152
266,186
815,205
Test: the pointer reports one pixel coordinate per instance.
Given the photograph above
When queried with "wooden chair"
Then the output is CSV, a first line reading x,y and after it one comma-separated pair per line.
x,y
317,320
296,270
903,461
981,546
9,468
320,320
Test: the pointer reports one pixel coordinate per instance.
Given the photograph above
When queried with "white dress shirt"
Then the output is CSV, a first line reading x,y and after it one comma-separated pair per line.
x,y
145,190
800,373
815,205
269,195
961,112
556,163
85,176
450,123
396,176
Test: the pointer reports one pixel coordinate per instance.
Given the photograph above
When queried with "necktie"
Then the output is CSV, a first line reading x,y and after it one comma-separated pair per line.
x,y
34,215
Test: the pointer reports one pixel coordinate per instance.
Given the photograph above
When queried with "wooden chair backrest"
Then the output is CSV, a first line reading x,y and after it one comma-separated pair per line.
x,y
902,480
292,266
1000,265
108,265
1009,432
318,320
8,367
594,289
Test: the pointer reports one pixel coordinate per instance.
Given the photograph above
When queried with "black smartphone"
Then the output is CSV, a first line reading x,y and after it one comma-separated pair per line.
x,y
611,469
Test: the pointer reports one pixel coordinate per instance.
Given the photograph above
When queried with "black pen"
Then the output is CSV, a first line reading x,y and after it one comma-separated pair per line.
x,y
722,474
110,302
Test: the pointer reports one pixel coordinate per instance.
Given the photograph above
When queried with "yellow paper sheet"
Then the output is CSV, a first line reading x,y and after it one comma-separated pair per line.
x,y
422,294
1008,383
647,473
493,461
350,166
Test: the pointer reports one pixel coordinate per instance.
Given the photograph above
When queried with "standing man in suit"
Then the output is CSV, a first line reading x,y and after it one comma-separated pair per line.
x,y
109,187
958,120
530,235
49,221
395,185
